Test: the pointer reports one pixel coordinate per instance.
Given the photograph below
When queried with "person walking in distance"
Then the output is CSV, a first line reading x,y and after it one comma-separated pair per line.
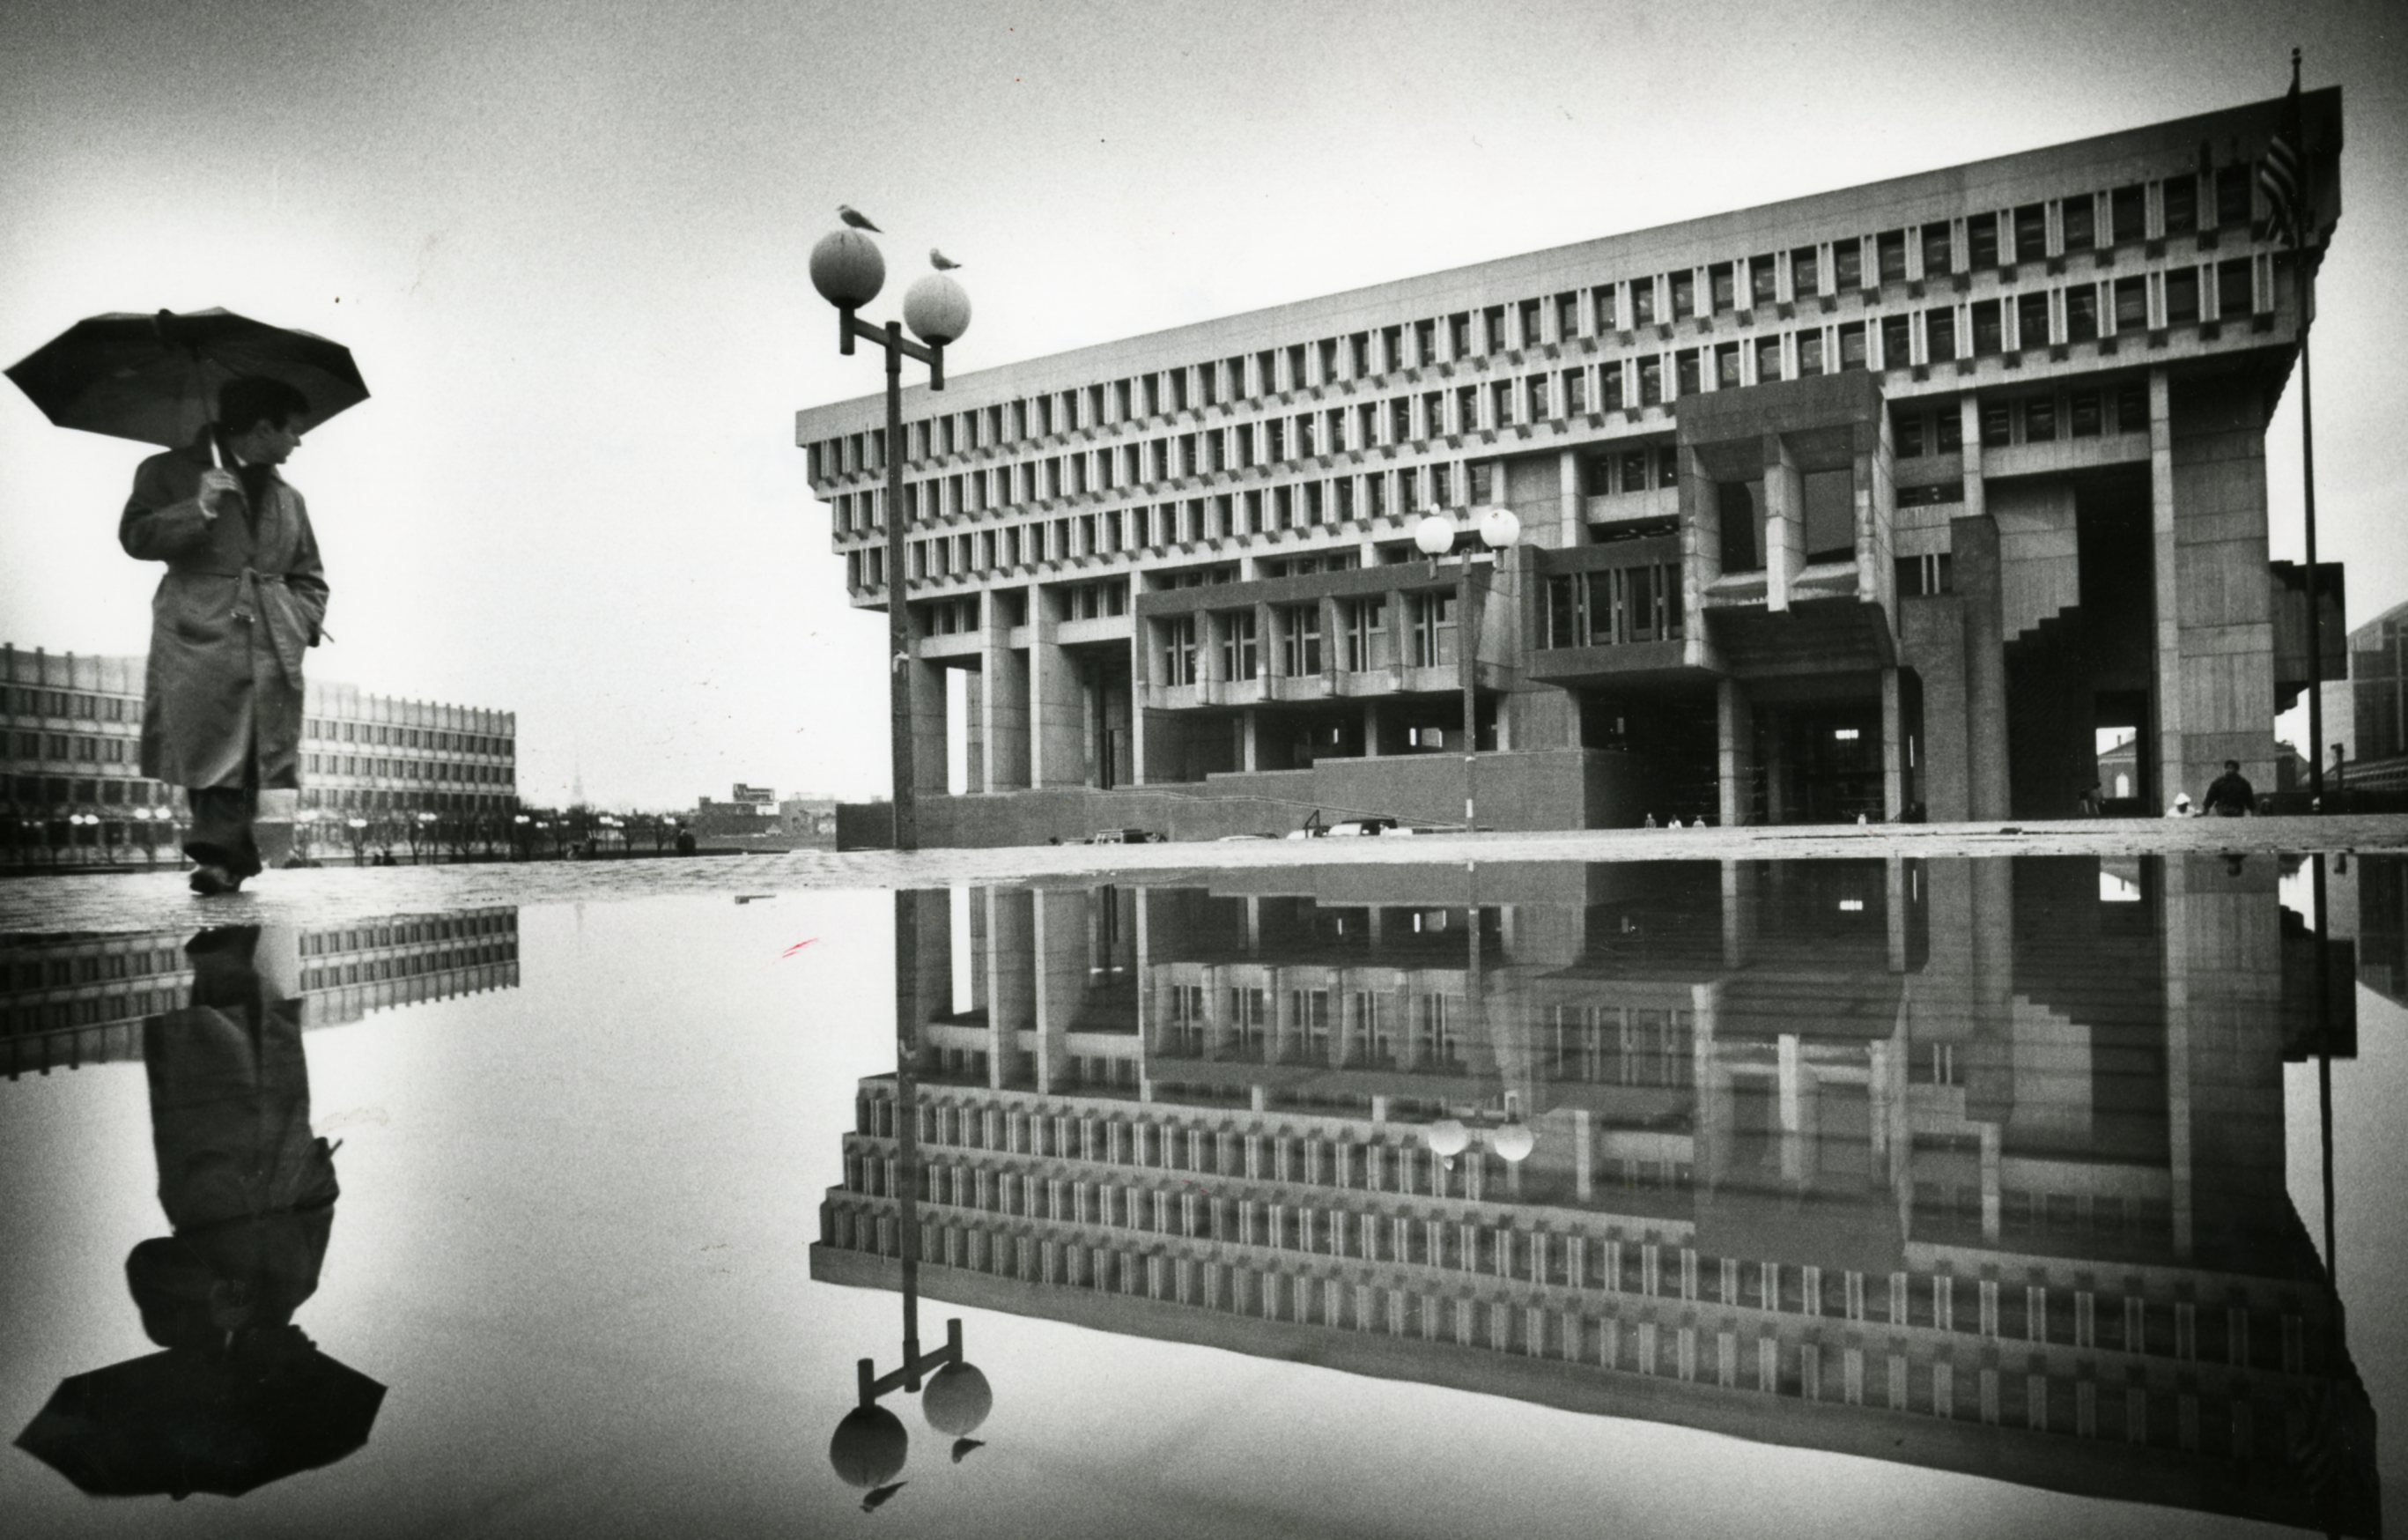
x,y
2231,796
243,595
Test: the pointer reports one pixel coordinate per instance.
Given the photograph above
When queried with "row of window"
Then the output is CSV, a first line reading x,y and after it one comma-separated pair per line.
x,y
1997,238
61,791
2081,313
1364,640
84,748
387,735
24,701
1615,606
425,771
1919,428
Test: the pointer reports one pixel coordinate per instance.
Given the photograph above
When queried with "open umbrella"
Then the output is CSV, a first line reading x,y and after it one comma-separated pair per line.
x,y
154,378
190,1421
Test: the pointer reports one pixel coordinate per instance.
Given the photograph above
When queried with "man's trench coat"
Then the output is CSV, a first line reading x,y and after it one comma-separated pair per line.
x,y
228,626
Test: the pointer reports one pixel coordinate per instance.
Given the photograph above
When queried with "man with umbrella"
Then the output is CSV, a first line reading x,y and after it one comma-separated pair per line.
x,y
243,595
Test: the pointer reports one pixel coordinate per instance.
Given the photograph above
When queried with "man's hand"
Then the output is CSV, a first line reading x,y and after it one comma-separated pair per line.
x,y
217,484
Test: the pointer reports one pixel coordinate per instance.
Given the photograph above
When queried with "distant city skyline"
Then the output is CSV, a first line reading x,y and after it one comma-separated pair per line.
x,y
567,249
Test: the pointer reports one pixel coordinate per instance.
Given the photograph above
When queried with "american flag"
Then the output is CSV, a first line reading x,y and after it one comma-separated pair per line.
x,y
2278,174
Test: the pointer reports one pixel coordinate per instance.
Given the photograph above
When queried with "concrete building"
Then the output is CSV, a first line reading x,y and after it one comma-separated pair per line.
x,y
1973,1165
2373,722
69,1002
71,787
1894,498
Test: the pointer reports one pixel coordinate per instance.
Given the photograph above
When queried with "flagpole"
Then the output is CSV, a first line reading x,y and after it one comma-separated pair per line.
x,y
2308,457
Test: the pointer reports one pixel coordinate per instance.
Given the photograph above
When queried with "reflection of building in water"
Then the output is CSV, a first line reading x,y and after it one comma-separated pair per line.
x,y
2381,884
1984,1161
65,1002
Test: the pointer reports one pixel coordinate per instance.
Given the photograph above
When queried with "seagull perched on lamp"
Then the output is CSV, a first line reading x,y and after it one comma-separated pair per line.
x,y
855,218
940,262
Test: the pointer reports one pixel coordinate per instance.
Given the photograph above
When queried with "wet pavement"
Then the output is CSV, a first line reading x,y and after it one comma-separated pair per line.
x,y
1902,1192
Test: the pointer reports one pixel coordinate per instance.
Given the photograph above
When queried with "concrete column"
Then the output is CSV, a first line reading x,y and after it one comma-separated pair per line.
x,y
1978,583
1568,478
1011,980
1250,739
1057,696
974,730
1784,521
1893,745
2224,635
1003,729
1734,751
928,681
2165,561
1058,936
1371,737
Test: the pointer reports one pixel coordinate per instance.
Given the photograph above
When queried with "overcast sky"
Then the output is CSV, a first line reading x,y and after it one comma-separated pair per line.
x,y
566,243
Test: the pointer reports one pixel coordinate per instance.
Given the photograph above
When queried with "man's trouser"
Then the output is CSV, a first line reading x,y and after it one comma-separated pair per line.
x,y
222,828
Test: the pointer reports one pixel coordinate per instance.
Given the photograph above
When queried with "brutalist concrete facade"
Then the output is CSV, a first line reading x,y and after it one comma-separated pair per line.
x,y
1900,500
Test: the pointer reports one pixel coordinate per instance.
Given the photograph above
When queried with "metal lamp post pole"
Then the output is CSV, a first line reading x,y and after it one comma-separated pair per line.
x,y
1467,646
890,339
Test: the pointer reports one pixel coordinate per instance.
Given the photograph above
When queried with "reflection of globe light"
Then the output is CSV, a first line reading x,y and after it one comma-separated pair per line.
x,y
1447,1138
1513,1142
957,1400
870,1447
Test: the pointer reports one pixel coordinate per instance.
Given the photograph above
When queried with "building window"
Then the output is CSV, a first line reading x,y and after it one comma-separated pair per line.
x,y
1737,503
2234,290
1364,619
2182,205
1642,302
1948,428
1847,266
1940,331
1688,366
1937,250
2127,209
2232,194
1767,359
2182,295
1889,251
1576,391
2032,321
1534,393
2131,303
1919,576
1906,431
1997,425
1896,346
1989,330
1433,628
2040,420
1178,650
1763,279
2085,415
1726,367
1718,280
2082,313
1806,272
1981,241
1650,380
1238,657
1852,345
2080,219
1809,353
2031,232
1684,295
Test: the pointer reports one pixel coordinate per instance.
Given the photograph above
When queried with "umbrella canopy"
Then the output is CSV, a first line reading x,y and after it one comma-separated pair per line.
x,y
155,379
184,1421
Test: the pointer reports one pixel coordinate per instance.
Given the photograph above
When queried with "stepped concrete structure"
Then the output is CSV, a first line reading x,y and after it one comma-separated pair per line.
x,y
1889,503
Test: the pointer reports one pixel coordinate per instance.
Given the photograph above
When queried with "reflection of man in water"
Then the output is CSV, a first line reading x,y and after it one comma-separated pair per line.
x,y
249,1191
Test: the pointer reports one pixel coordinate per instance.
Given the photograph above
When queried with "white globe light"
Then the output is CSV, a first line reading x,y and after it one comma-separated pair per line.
x,y
1447,1138
1435,534
847,268
1499,528
937,310
1513,1142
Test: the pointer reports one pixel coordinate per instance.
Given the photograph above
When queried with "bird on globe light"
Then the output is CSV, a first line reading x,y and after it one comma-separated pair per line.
x,y
940,262
855,218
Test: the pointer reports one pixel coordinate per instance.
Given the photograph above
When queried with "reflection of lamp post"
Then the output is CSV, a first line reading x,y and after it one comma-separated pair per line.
x,y
1436,534
871,1445
359,828
423,832
847,271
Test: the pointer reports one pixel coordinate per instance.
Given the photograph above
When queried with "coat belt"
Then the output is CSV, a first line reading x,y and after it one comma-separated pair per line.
x,y
253,587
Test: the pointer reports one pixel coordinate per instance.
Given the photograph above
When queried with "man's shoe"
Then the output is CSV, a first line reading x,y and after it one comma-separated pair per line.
x,y
210,881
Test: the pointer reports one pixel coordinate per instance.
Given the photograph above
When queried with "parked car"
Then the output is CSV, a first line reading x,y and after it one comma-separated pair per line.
x,y
1124,837
1354,829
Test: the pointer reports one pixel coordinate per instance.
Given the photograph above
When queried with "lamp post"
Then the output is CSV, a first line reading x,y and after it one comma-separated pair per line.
x,y
1436,535
847,271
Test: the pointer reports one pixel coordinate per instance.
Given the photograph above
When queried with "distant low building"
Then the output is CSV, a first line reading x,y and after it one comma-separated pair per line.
x,y
71,782
749,817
